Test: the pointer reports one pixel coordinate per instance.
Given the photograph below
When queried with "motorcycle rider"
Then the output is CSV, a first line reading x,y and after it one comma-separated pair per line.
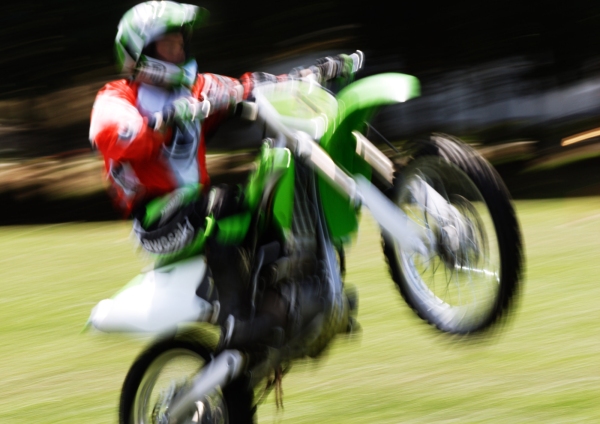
x,y
151,126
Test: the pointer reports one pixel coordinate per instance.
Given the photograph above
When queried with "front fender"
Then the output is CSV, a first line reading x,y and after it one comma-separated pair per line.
x,y
375,91
357,103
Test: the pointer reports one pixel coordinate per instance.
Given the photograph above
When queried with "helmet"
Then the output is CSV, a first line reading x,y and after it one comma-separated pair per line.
x,y
141,26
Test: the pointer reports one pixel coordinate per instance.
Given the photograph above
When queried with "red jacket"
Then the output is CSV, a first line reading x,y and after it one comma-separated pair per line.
x,y
133,152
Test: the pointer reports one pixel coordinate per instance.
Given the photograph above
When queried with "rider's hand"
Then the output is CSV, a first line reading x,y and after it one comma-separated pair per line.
x,y
186,110
340,66
181,112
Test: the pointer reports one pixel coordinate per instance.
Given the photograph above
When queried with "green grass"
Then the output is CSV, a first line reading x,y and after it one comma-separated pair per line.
x,y
544,366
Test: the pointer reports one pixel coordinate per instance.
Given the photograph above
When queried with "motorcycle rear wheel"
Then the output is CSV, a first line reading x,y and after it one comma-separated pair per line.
x,y
165,367
468,278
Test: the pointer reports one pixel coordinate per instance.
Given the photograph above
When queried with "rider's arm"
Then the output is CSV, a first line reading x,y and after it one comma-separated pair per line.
x,y
223,93
251,79
332,67
324,69
117,128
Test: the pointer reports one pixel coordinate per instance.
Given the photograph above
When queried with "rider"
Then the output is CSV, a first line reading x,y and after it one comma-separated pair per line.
x,y
150,127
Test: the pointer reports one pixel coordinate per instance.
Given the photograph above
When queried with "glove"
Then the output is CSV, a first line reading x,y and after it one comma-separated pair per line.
x,y
181,112
186,110
340,66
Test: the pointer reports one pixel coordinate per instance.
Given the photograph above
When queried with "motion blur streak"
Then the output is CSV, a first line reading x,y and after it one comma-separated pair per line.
x,y
580,137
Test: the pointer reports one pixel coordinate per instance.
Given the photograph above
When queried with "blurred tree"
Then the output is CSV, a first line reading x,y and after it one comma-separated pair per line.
x,y
45,46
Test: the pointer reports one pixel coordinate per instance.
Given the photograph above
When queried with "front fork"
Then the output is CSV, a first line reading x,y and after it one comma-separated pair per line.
x,y
410,236
360,192
223,369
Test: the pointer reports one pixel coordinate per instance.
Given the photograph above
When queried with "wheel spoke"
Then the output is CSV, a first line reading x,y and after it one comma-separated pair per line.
x,y
165,375
460,256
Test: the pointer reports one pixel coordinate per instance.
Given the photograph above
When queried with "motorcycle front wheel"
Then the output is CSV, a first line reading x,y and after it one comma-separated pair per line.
x,y
468,276
166,367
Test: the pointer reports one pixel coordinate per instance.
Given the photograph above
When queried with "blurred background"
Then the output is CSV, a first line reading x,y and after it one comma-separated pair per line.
x,y
520,80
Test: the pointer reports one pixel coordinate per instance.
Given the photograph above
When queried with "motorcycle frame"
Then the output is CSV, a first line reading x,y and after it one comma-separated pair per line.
x,y
343,160
349,193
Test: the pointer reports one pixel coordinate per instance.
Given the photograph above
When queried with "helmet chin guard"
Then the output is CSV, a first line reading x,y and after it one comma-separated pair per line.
x,y
165,74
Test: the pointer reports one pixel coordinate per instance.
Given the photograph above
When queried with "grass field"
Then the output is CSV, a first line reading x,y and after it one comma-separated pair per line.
x,y
543,367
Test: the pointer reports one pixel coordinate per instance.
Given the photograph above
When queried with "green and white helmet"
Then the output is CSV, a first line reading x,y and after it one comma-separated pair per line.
x,y
145,23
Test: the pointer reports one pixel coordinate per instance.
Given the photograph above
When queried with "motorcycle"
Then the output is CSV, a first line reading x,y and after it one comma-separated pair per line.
x,y
449,233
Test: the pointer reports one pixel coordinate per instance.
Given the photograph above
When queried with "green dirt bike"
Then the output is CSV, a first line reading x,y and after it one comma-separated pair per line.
x,y
450,236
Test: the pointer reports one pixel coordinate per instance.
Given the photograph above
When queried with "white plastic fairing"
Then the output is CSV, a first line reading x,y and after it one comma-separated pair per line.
x,y
156,301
